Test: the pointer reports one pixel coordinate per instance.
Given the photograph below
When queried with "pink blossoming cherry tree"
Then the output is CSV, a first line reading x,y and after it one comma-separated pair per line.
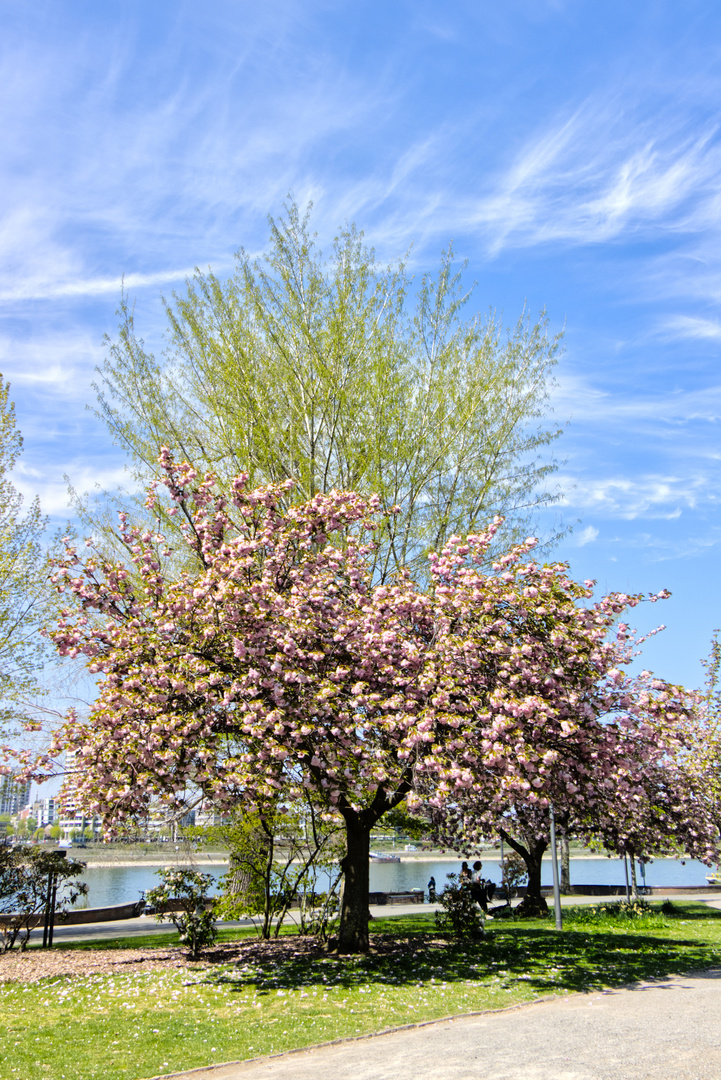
x,y
276,666
557,720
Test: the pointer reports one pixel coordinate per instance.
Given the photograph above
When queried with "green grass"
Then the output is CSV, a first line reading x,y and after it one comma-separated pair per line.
x,y
138,1025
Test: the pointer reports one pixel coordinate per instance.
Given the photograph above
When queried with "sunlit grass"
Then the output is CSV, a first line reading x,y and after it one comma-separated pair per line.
x,y
137,1025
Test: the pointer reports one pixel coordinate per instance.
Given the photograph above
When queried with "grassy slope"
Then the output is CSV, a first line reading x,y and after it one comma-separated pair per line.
x,y
139,1025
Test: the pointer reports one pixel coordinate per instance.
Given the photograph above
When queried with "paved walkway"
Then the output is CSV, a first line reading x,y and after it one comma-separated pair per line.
x,y
666,1030
147,924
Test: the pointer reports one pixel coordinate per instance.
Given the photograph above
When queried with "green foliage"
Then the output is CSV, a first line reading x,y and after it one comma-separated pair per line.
x,y
326,371
461,916
401,818
25,875
514,873
195,917
639,912
25,593
277,854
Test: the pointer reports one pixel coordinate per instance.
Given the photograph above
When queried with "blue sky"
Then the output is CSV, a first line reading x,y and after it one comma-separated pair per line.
x,y
571,151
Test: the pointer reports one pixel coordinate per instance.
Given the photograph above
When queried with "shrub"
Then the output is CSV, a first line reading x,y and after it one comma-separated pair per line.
x,y
513,873
639,912
196,915
26,875
461,916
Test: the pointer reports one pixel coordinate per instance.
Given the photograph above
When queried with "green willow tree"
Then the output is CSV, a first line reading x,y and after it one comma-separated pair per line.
x,y
338,373
25,592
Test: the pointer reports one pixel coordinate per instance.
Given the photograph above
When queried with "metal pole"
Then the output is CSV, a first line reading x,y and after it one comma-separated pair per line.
x,y
628,890
52,911
48,902
554,867
503,876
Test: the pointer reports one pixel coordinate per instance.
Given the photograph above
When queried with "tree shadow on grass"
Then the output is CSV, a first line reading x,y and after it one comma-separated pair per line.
x,y
538,958
673,909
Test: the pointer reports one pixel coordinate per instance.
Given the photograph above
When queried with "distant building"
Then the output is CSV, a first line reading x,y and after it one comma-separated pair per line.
x,y
14,794
207,817
46,812
70,816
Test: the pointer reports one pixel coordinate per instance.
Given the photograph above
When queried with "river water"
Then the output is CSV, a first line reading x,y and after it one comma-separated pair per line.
x,y
120,884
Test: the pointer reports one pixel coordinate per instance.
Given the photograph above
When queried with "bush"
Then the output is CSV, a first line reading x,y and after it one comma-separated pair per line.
x,y
195,920
26,873
278,855
639,912
513,873
461,916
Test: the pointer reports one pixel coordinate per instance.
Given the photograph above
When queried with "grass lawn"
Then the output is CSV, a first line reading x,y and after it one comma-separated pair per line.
x,y
273,999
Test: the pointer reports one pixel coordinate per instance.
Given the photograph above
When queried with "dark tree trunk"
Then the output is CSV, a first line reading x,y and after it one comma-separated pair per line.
x,y
354,914
634,880
533,903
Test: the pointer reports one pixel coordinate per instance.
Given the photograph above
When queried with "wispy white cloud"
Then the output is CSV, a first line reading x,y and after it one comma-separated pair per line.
x,y
59,363
585,536
44,289
659,547
626,497
599,173
192,167
690,326
52,488
184,172
585,402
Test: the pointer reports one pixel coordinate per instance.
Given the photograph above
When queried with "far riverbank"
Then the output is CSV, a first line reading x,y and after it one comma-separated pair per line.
x,y
167,855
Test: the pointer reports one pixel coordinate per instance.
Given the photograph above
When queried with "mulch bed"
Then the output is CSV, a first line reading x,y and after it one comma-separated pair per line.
x,y
36,964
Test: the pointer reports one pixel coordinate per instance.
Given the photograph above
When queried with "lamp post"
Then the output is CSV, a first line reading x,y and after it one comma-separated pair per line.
x,y
554,868
503,877
51,897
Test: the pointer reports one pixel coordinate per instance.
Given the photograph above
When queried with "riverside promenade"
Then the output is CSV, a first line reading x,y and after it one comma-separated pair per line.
x,y
147,924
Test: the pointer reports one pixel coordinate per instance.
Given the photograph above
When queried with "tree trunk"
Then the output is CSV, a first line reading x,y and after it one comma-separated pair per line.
x,y
634,882
565,864
533,903
354,915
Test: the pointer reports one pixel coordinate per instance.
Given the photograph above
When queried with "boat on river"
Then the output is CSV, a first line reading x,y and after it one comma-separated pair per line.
x,y
714,878
378,856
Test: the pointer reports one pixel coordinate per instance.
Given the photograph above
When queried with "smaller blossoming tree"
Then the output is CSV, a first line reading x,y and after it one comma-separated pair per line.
x,y
556,719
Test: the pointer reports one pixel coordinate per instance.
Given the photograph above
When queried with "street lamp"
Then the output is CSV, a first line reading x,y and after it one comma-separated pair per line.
x,y
554,868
